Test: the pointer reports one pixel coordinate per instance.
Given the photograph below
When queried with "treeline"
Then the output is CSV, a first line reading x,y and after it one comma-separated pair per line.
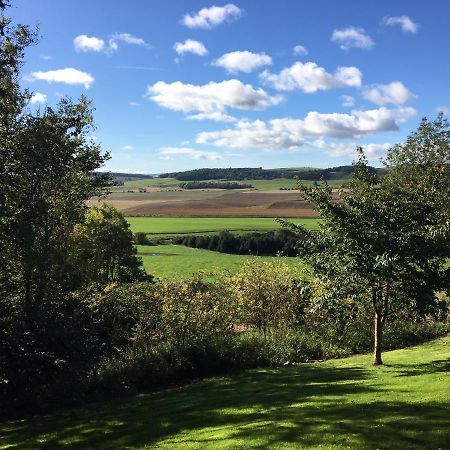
x,y
215,185
280,242
258,173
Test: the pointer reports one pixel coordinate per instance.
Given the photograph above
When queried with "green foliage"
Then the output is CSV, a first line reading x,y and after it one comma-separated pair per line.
x,y
385,241
215,185
102,247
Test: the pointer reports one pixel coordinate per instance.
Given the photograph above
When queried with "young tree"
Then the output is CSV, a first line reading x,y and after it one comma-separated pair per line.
x,y
384,242
102,247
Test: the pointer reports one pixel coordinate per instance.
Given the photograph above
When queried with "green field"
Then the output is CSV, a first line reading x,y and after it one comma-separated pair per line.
x,y
180,262
338,404
262,185
190,225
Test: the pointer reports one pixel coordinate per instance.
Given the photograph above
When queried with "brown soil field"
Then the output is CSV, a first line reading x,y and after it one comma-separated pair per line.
x,y
211,203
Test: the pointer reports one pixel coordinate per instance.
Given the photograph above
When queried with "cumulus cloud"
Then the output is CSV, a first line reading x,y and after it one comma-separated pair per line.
x,y
405,23
299,50
372,151
211,17
348,101
243,61
216,116
67,76
38,97
382,94
210,98
309,77
352,37
83,43
190,46
126,38
190,153
291,134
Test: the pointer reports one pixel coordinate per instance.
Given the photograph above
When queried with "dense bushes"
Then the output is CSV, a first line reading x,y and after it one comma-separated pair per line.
x,y
280,242
124,338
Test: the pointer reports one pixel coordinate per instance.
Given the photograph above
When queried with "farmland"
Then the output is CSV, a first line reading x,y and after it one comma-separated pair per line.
x,y
180,262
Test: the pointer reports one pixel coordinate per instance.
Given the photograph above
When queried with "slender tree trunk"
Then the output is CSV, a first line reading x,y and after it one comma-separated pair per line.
x,y
378,336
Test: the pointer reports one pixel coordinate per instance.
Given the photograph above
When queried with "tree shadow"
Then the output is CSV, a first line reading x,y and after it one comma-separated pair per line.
x,y
305,405
438,366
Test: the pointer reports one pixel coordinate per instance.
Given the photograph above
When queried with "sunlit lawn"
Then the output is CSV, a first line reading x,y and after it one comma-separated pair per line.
x,y
337,404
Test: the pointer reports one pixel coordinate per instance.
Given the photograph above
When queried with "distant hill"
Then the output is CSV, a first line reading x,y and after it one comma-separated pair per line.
x,y
258,173
119,178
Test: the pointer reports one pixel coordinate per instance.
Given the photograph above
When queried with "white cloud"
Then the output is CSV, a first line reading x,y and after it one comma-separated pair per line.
x,y
286,133
406,24
133,103
211,17
127,38
45,57
443,109
382,94
352,37
83,43
38,97
210,98
190,46
299,50
127,147
348,101
309,77
217,116
372,151
243,61
190,153
67,76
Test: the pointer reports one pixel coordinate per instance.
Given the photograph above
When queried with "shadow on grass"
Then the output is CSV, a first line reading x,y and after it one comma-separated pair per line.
x,y
305,405
406,370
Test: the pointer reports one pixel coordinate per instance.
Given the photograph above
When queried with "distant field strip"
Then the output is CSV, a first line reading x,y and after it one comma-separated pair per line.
x,y
187,225
180,262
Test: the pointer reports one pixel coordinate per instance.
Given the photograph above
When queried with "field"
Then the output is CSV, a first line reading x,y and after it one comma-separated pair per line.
x,y
179,225
180,262
337,404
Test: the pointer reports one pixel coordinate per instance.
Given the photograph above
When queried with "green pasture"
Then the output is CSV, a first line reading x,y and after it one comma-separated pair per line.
x,y
338,404
180,262
261,185
190,225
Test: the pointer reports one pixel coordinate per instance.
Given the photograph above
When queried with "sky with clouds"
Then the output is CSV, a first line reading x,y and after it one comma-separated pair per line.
x,y
187,84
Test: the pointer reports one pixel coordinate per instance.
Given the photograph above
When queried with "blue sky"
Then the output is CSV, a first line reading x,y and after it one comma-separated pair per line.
x,y
187,84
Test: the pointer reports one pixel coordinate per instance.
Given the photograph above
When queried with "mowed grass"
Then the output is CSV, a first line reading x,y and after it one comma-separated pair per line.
x,y
338,404
189,225
180,262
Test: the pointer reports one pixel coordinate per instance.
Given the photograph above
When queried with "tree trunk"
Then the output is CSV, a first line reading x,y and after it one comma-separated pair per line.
x,y
378,336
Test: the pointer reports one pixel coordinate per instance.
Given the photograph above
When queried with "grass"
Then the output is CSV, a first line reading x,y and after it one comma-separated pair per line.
x,y
337,404
262,185
189,225
180,262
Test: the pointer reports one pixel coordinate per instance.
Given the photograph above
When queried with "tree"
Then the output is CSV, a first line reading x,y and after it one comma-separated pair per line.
x,y
385,241
102,247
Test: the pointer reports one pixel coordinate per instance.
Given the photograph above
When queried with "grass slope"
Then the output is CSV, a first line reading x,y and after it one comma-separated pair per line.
x,y
332,405
189,225
180,262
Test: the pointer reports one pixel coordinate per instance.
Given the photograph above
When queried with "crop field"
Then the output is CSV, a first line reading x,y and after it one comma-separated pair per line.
x,y
180,262
180,225
209,203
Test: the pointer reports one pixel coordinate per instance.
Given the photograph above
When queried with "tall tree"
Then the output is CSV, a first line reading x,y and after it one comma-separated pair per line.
x,y
384,241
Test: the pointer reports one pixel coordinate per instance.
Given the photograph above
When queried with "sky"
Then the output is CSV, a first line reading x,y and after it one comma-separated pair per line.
x,y
180,85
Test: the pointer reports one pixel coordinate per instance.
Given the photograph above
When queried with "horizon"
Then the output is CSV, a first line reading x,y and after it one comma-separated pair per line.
x,y
187,85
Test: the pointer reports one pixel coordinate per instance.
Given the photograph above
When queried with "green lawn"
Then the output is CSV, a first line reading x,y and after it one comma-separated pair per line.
x,y
337,404
189,225
180,262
